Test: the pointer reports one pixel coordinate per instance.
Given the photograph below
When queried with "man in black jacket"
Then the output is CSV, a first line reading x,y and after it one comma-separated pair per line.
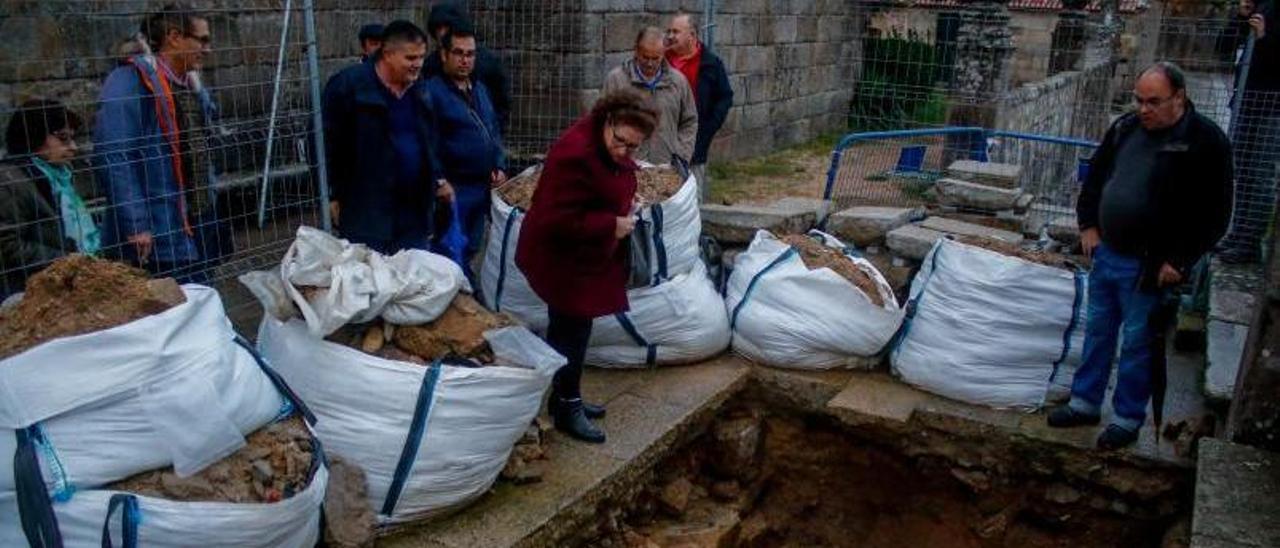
x,y
1256,130
711,91
488,68
1157,198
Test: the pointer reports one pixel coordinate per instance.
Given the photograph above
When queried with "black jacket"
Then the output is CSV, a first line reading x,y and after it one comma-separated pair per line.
x,y
1264,67
30,225
488,71
713,97
1191,190
361,159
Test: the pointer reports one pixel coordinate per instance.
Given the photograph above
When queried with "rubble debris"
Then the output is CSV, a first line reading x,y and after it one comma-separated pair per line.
x,y
654,184
79,294
274,464
816,255
525,465
1046,258
349,520
457,333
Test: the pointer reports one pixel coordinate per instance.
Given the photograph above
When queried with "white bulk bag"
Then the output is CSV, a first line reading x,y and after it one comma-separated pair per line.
x,y
988,328
293,522
430,438
114,402
675,225
678,321
785,315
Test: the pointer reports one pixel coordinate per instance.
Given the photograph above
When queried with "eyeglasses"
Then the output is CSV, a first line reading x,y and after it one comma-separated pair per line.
x,y
1151,103
619,142
67,136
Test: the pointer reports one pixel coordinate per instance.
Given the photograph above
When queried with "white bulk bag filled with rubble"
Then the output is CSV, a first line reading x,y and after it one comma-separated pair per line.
x,y
675,225
291,523
786,315
678,321
171,388
988,328
430,438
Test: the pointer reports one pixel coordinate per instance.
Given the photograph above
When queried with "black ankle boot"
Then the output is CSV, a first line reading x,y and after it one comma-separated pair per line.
x,y
569,417
591,410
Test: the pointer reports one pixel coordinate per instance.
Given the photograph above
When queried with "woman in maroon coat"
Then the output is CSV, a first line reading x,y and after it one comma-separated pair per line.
x,y
572,248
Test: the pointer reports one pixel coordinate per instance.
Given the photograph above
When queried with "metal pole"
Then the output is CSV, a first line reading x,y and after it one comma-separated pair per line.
x,y
1241,80
317,117
271,122
709,24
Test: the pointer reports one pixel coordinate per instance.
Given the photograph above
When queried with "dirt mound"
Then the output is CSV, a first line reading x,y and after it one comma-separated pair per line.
x,y
655,184
79,294
1014,250
273,466
458,333
816,255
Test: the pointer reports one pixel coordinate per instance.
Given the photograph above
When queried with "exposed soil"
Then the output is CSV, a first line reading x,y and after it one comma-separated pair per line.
x,y
804,483
272,466
1014,250
79,294
457,333
816,255
654,185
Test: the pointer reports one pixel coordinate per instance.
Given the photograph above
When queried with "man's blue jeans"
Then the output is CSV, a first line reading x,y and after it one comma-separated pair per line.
x,y
473,211
1116,303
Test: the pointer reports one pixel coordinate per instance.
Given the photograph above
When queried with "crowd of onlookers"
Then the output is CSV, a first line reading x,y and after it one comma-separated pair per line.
x,y
414,144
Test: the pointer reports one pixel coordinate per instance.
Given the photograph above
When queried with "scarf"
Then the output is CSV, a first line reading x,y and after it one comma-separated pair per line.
x,y
77,223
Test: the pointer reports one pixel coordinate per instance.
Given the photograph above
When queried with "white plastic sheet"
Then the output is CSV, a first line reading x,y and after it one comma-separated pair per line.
x,y
366,407
990,329
359,285
798,318
291,523
95,395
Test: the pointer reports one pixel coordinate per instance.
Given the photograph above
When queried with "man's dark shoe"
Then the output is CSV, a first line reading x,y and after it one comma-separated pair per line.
x,y
1064,416
1116,437
591,410
569,418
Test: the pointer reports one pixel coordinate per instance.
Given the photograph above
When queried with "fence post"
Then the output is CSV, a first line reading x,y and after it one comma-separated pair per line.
x,y
709,23
317,118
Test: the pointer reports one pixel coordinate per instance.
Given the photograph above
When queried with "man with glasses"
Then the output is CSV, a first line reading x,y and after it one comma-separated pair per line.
x,y
648,72
1158,197
712,94
470,136
151,151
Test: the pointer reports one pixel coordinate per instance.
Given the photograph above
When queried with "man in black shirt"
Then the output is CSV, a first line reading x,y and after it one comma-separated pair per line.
x,y
1157,199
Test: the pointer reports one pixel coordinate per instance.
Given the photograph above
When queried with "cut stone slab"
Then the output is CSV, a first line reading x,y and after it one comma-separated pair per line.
x,y
954,192
866,226
797,204
961,228
1230,306
912,241
1237,496
1225,350
737,224
986,173
1065,229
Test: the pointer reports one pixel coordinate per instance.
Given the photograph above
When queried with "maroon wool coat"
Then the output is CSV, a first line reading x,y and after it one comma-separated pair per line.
x,y
567,249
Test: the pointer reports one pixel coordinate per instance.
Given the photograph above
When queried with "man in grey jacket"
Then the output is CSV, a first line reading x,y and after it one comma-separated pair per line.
x,y
648,71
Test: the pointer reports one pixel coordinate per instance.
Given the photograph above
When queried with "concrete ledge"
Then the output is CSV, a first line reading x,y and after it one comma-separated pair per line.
x,y
954,192
986,173
1225,351
1237,497
960,228
737,224
867,226
650,411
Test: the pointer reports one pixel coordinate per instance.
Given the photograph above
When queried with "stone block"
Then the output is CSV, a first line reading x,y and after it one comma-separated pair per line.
x,y
865,226
959,228
912,241
1065,229
1229,305
1225,350
1237,496
954,192
986,173
737,224
803,205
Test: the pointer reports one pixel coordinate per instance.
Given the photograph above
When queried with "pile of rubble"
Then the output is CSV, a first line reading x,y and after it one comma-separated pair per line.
x,y
654,185
457,333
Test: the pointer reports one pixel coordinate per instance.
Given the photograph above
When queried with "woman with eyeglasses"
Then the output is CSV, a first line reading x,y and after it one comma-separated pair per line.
x,y
572,246
42,215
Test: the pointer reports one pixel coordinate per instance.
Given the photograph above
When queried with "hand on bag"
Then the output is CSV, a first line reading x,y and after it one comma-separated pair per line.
x,y
498,178
142,243
1089,240
624,227
334,212
1169,276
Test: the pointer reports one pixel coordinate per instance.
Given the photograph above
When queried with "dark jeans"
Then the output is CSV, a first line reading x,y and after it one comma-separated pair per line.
x,y
569,336
473,211
1115,304
1255,140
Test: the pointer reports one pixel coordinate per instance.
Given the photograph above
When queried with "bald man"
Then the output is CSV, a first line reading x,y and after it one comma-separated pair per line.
x,y
648,71
1157,198
709,80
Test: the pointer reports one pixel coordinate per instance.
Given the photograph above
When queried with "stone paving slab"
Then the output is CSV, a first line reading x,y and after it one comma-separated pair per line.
x,y
1230,306
798,204
986,173
912,241
737,224
954,192
865,226
1225,350
961,228
649,411
1237,496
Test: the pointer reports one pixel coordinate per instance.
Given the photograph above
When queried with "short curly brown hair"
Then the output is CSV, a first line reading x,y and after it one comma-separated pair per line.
x,y
628,107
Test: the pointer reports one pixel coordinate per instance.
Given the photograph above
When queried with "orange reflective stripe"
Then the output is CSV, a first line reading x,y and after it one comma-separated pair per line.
x,y
168,117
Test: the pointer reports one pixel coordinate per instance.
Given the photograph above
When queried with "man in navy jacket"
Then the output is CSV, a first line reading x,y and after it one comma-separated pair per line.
x,y
706,75
470,135
380,145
